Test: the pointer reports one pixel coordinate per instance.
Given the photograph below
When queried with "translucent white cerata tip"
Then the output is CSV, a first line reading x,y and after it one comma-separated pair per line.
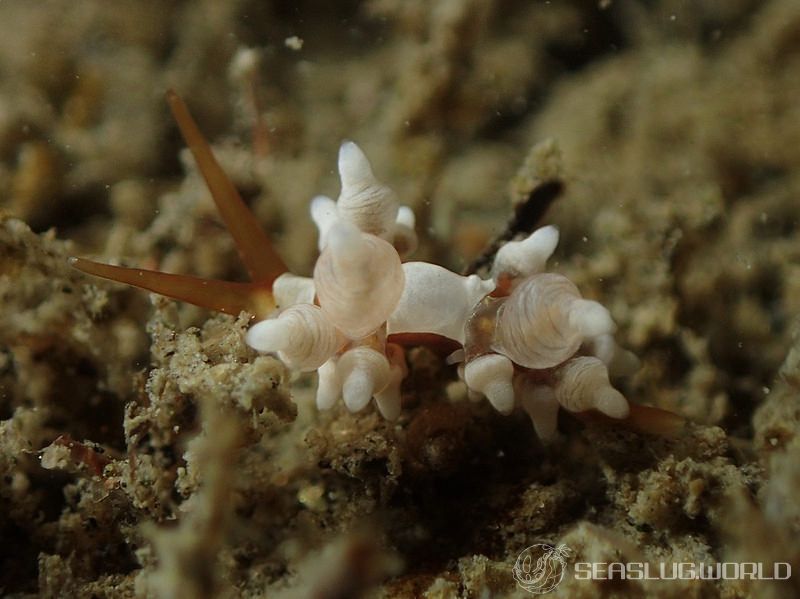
x,y
492,375
583,385
358,279
406,217
301,336
619,361
526,257
436,300
389,400
404,238
323,213
539,401
591,318
329,387
363,372
364,201
544,321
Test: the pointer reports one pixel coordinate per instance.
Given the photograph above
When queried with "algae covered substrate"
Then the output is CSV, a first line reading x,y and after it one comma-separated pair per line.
x,y
146,451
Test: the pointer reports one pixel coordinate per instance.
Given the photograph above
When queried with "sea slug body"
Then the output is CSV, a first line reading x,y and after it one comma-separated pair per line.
x,y
525,336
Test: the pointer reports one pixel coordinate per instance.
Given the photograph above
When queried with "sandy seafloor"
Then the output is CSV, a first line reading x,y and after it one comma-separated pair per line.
x,y
145,451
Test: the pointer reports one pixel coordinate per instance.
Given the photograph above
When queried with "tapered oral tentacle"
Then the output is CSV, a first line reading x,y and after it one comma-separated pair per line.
x,y
255,249
222,296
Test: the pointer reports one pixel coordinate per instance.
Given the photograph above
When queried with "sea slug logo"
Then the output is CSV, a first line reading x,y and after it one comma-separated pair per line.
x,y
540,568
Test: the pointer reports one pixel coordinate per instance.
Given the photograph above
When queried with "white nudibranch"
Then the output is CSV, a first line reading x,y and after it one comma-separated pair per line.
x,y
363,372
290,289
526,336
582,384
540,403
492,375
539,344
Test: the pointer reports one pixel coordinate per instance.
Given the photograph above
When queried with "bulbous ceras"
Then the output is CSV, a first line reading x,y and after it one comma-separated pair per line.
x,y
531,343
358,281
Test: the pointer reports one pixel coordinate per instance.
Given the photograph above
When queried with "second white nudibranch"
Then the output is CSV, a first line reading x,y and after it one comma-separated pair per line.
x,y
538,344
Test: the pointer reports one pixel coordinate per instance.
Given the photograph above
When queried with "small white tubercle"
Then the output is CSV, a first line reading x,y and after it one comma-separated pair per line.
x,y
323,213
590,318
436,300
527,257
492,375
583,385
364,201
289,289
404,237
363,372
301,336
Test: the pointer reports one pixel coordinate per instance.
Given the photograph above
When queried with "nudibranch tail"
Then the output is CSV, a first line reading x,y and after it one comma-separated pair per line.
x,y
642,419
255,249
222,296
654,421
